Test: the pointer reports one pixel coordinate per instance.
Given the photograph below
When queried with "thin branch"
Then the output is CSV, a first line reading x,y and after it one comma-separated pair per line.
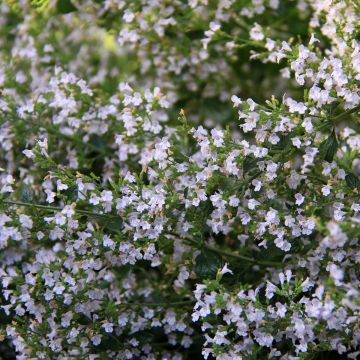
x,y
235,255
54,208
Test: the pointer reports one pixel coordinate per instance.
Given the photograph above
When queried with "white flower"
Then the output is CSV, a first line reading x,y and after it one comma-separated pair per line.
x,y
256,33
106,196
281,310
295,107
296,142
252,203
128,16
299,199
257,183
108,327
225,270
29,153
263,339
96,340
60,186
218,137
313,39
26,221
94,199
234,201
270,290
236,100
326,189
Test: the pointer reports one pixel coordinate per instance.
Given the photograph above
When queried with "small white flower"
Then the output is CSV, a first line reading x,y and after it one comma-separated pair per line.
x,y
29,154
299,199
256,33
257,184
108,327
225,270
26,221
326,190
128,16
236,100
60,186
270,290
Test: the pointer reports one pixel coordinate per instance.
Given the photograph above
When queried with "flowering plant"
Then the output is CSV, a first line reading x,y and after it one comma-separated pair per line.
x,y
179,179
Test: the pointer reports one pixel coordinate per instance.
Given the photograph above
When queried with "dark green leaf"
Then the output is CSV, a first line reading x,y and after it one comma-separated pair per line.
x,y
71,193
329,147
98,142
26,194
207,264
83,319
249,163
113,225
284,143
352,181
65,6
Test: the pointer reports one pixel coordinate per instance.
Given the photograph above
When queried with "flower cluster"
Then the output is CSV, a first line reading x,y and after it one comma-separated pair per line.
x,y
179,179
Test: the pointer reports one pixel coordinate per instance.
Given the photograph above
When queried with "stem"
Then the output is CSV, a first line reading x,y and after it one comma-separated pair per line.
x,y
184,302
242,257
332,120
236,256
348,112
54,208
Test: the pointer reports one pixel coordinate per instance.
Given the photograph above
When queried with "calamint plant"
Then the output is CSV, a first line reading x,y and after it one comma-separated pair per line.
x,y
179,179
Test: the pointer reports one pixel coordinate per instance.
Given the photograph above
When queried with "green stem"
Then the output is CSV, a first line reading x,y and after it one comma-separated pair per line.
x,y
329,122
235,255
54,208
184,302
348,112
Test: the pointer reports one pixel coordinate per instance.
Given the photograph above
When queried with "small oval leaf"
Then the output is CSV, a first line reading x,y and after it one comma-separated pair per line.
x,y
71,193
352,181
26,194
329,147
207,264
65,6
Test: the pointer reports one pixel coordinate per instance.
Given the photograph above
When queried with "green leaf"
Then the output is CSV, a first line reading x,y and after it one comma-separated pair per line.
x,y
98,142
65,6
26,194
207,264
352,181
249,163
113,225
71,193
328,147
284,143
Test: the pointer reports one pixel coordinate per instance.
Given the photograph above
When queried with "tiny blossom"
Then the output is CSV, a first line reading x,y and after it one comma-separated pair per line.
x,y
236,100
26,221
225,270
270,290
299,199
256,33
108,327
257,184
29,153
326,190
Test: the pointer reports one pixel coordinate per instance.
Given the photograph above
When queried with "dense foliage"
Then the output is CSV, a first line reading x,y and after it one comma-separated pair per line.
x,y
179,179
